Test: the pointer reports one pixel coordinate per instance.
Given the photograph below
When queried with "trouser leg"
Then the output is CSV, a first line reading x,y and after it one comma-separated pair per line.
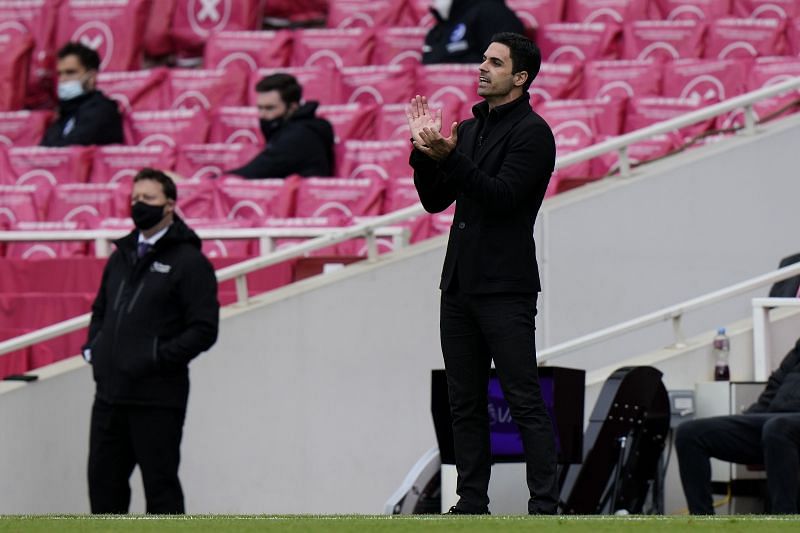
x,y
781,442
111,459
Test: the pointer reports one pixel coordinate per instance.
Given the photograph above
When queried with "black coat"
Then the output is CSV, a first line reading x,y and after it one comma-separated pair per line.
x,y
97,120
465,35
498,180
303,145
782,393
151,317
788,287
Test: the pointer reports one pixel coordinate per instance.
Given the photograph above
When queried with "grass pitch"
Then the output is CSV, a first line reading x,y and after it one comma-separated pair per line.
x,y
364,524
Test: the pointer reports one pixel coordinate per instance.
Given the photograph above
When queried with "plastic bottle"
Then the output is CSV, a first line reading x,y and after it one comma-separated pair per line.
x,y
722,348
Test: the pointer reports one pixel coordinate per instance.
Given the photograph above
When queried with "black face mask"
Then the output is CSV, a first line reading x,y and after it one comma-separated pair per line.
x,y
145,216
269,127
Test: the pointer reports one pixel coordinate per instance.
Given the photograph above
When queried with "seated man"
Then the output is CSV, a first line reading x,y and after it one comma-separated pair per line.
x,y
298,142
464,28
85,115
767,433
788,288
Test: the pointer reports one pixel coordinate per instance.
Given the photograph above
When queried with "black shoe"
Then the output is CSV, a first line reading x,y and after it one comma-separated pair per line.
x,y
456,510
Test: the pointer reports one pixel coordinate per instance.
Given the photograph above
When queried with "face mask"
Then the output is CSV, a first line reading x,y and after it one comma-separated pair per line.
x,y
67,90
269,127
442,7
145,216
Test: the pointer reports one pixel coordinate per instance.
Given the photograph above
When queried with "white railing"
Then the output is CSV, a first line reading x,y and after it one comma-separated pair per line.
x,y
761,338
673,313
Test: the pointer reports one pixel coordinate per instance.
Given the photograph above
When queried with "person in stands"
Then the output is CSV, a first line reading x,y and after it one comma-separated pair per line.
x,y
298,141
85,115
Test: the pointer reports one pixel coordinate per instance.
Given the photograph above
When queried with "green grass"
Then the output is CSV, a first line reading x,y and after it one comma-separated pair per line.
x,y
369,524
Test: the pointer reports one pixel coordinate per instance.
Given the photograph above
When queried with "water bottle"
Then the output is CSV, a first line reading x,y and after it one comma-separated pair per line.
x,y
722,348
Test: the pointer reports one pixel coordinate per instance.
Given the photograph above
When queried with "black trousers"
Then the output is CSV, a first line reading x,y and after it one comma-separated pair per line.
x,y
771,439
123,436
474,330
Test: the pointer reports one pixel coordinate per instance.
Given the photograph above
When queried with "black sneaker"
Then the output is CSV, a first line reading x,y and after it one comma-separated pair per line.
x,y
456,510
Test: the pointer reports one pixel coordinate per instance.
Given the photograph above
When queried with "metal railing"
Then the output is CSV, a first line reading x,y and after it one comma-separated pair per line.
x,y
761,338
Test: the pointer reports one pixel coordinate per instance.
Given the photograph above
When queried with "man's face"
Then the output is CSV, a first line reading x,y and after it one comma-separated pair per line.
x,y
70,68
270,105
495,76
152,193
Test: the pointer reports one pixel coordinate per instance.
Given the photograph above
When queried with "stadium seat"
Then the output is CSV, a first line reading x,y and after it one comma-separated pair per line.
x,y
647,110
204,161
340,197
383,160
350,121
169,128
793,36
362,13
593,117
255,200
47,166
205,88
46,249
198,199
114,28
119,164
609,11
557,81
21,203
710,80
704,10
400,193
333,48
15,61
454,86
195,22
419,14
235,125
320,83
744,38
391,123
641,152
243,52
214,248
663,40
385,84
775,9
578,42
768,71
334,220
624,78
137,90
536,13
88,203
157,39
23,128
399,46
297,11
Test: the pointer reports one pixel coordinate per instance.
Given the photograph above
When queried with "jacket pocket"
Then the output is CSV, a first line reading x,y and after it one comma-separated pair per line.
x,y
138,355
100,356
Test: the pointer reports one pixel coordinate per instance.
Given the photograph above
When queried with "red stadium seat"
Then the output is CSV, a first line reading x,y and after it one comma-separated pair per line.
x,y
768,71
648,150
320,84
645,111
88,203
362,13
610,11
169,128
119,164
342,197
622,79
399,46
391,123
556,81
157,38
138,90
705,10
378,85
333,48
420,14
46,249
401,193
710,80
198,199
775,9
115,28
591,118
536,13
256,200
243,52
15,62
235,125
350,121
663,40
48,166
21,203
384,160
455,87
197,161
578,42
196,21
745,38
206,88
214,248
23,128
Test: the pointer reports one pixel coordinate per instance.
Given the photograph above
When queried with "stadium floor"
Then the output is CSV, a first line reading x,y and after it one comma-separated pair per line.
x,y
361,524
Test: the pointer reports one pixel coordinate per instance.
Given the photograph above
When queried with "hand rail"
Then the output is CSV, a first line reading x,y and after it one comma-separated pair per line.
x,y
761,340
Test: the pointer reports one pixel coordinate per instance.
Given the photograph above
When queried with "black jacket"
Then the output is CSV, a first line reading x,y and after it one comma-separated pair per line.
x,y
465,35
497,175
782,393
97,120
303,145
788,287
151,317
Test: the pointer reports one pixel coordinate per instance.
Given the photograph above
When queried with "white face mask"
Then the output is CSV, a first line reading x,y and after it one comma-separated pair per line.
x,y
442,7
67,90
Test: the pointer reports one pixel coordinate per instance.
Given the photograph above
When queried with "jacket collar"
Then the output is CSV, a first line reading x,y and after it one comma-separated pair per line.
x,y
506,116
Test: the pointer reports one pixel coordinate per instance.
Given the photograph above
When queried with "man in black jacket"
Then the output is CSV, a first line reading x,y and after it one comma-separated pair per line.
x,y
85,115
156,310
496,168
298,142
768,433
464,29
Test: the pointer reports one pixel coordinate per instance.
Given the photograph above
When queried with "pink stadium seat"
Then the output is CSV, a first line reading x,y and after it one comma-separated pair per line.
x,y
46,249
401,193
378,85
536,13
195,21
255,200
198,199
571,42
745,38
243,52
645,111
611,11
705,10
441,222
169,128
590,118
333,48
399,46
768,71
39,20
350,121
199,161
622,79
119,164
115,28
556,81
297,10
793,36
88,203
21,203
235,125
320,84
663,40
776,9
653,148
15,61
391,123
23,128
341,197
383,160
48,166
137,90
214,248
157,38
709,80
335,220
362,13
205,88
454,86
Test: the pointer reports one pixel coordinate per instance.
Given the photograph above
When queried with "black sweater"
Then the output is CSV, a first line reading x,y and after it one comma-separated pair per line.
x,y
96,120
782,394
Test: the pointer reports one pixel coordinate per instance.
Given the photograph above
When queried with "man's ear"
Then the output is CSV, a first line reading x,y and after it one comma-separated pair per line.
x,y
294,106
91,79
171,205
520,78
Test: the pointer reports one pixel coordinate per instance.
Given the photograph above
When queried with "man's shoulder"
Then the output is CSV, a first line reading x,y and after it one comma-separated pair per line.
x,y
101,102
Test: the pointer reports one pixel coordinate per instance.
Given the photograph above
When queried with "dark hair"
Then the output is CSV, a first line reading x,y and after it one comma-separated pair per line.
x,y
170,191
290,90
525,55
89,58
